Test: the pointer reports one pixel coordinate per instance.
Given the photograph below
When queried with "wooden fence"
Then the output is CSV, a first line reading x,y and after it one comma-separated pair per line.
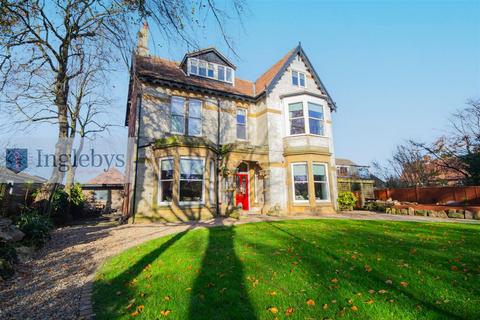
x,y
432,195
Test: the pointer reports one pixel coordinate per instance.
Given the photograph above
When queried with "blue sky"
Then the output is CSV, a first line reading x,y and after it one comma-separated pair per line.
x,y
396,69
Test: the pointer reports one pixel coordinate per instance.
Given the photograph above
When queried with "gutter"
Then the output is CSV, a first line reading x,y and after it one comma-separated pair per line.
x,y
217,193
139,104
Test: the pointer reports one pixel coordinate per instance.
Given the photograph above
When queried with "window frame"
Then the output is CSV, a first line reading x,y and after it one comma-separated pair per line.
x,y
237,124
326,182
188,117
190,63
289,120
184,115
293,164
160,180
202,201
305,100
298,78
213,67
322,120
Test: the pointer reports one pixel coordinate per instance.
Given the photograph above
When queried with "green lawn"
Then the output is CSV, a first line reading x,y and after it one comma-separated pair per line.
x,y
303,269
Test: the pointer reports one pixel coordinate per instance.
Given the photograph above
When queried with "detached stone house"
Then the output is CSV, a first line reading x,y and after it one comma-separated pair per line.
x,y
204,142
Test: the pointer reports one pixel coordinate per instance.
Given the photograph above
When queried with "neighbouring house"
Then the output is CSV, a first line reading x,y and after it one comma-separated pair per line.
x,y
16,190
355,178
105,191
204,142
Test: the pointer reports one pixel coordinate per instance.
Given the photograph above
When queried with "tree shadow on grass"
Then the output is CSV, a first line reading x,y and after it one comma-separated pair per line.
x,y
219,291
123,284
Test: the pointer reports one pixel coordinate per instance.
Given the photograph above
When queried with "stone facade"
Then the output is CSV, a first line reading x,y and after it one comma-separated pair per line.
x,y
265,157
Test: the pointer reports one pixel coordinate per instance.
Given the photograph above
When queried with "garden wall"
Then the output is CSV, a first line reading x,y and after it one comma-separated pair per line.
x,y
432,195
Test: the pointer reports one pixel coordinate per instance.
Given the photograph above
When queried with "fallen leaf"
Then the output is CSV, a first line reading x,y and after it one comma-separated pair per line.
x,y
334,280
289,311
350,301
388,281
273,310
370,301
119,293
354,308
368,268
165,313
371,291
272,293
325,306
413,250
382,291
404,284
140,308
310,302
454,268
134,313
167,298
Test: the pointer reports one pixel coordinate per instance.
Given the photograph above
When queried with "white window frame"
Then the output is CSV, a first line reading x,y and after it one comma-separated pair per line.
x,y
298,77
304,99
202,201
322,121
293,182
160,189
246,124
190,60
188,119
290,119
184,115
327,182
210,66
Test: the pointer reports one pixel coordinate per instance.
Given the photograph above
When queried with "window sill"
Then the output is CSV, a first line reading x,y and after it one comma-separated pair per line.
x,y
306,134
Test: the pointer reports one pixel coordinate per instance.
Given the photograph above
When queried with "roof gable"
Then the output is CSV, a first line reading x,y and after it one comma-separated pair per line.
x,y
210,55
269,79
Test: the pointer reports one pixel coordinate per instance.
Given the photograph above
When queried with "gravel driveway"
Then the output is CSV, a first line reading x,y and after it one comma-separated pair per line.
x,y
55,283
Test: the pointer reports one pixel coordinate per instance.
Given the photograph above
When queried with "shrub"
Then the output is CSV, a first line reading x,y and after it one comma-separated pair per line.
x,y
36,228
346,200
377,206
8,256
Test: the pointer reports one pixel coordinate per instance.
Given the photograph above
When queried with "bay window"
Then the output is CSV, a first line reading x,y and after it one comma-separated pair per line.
x,y
297,120
165,181
191,180
305,117
242,124
300,182
315,118
320,181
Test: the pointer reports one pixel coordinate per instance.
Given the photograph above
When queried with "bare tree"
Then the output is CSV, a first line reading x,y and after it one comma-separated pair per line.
x,y
43,45
409,166
459,150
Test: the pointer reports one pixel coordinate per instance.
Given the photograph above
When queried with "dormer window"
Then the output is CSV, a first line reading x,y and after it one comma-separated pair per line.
x,y
202,70
221,73
298,78
210,70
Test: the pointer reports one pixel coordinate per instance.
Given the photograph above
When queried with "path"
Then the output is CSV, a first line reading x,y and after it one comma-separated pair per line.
x,y
56,282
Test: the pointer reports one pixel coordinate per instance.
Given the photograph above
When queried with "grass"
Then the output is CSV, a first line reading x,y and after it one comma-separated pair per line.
x,y
303,269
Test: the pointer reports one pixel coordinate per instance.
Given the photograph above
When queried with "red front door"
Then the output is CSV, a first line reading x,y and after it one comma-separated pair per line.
x,y
242,190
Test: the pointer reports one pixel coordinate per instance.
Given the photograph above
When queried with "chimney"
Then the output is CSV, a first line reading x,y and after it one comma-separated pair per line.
x,y
142,44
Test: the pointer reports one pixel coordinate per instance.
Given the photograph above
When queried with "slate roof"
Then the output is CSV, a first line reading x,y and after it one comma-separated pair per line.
x,y
170,73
